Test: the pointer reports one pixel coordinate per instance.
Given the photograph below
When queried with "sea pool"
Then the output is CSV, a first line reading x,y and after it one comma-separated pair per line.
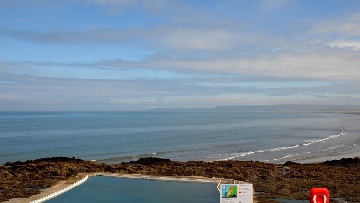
x,y
122,190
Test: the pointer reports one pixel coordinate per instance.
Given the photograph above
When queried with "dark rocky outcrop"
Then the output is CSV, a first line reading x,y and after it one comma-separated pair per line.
x,y
291,180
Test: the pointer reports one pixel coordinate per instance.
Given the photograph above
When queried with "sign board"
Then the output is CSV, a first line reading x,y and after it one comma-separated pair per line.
x,y
236,193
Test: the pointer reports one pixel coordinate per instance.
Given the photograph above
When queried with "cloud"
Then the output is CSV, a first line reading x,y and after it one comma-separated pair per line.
x,y
324,65
345,44
4,67
110,2
184,54
94,36
273,5
119,6
198,39
216,51
25,92
188,39
348,25
321,63
111,6
5,3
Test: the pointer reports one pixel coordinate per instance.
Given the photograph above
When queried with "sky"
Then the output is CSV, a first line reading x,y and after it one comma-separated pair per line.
x,y
118,55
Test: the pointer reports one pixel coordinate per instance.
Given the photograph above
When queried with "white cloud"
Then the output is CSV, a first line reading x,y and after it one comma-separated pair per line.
x,y
273,5
111,2
346,44
179,39
297,59
348,25
9,96
195,39
25,92
323,65
4,67
119,6
155,7
190,42
112,6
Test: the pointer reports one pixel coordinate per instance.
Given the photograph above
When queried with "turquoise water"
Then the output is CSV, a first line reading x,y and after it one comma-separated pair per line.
x,y
113,137
105,189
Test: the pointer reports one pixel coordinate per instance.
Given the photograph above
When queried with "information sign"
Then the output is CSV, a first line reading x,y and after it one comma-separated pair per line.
x,y
236,193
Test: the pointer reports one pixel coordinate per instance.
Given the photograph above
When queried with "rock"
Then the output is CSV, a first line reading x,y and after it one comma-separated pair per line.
x,y
341,177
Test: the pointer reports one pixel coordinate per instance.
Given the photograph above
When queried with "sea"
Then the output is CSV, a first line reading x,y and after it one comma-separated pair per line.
x,y
273,136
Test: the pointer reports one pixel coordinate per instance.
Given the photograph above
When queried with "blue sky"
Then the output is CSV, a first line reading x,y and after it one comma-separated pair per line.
x,y
142,54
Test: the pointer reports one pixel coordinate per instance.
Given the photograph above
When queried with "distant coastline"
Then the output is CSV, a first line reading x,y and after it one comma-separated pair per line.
x,y
271,108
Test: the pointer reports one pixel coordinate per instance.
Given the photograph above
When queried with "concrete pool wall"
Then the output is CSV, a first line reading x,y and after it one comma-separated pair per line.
x,y
64,186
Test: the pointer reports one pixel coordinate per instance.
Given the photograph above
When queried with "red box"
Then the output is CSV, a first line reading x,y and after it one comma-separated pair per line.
x,y
319,195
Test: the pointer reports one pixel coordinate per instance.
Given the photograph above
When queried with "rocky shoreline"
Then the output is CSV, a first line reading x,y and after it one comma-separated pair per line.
x,y
289,180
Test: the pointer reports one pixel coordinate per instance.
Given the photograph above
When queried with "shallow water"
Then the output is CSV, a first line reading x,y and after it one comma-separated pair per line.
x,y
105,189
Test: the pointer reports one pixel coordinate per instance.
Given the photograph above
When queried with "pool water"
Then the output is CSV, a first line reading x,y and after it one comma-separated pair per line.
x,y
122,190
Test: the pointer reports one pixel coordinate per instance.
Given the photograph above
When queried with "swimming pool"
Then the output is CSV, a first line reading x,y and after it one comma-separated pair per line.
x,y
107,189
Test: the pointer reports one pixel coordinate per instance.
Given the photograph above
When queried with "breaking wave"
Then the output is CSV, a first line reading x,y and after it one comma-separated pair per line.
x,y
230,156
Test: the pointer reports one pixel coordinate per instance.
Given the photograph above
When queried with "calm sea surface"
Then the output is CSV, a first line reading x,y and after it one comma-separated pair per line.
x,y
113,137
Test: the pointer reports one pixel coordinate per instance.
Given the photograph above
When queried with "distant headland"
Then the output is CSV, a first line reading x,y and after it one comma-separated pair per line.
x,y
269,108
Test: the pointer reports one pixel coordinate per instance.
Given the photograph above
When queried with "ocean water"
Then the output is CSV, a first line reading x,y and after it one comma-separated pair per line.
x,y
113,137
105,189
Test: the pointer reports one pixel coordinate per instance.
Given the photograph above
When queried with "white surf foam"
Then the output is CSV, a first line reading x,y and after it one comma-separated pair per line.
x,y
309,142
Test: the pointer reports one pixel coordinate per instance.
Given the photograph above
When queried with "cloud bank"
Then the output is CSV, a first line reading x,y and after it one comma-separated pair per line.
x,y
120,54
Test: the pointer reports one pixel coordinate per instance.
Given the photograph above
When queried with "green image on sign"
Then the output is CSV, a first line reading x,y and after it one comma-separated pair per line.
x,y
229,191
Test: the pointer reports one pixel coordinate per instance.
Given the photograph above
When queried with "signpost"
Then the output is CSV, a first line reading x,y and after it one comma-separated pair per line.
x,y
236,193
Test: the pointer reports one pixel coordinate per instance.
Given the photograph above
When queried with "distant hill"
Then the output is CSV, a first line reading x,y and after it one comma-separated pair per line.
x,y
252,108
